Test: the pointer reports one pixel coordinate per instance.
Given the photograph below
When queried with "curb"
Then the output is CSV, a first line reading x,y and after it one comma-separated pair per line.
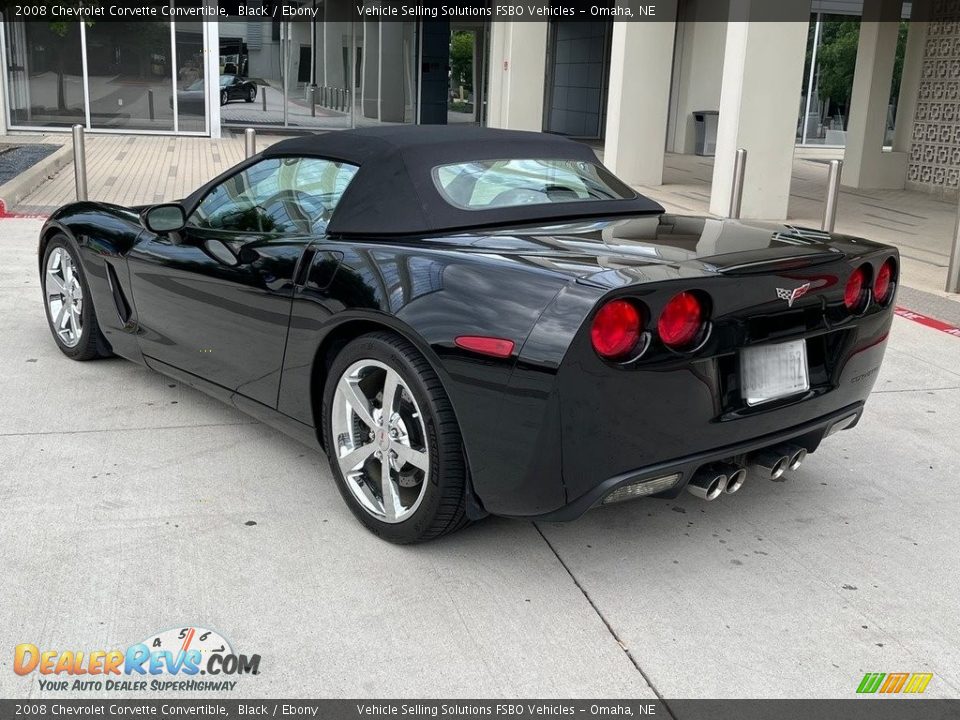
x,y
15,190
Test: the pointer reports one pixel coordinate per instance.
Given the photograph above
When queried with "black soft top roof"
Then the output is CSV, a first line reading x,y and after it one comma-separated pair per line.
x,y
393,191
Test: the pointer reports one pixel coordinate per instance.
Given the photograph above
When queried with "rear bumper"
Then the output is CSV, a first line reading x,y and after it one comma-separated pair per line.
x,y
808,435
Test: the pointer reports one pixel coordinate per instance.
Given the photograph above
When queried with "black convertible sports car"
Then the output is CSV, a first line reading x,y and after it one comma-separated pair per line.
x,y
473,321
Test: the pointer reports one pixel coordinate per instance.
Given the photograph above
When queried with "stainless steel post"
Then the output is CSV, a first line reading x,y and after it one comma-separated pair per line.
x,y
312,97
736,192
250,142
79,162
263,96
953,271
833,196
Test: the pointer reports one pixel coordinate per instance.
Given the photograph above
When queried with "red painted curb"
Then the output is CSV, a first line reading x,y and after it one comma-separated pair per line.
x,y
4,214
928,321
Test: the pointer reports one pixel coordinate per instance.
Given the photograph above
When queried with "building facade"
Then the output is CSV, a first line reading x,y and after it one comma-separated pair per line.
x,y
849,78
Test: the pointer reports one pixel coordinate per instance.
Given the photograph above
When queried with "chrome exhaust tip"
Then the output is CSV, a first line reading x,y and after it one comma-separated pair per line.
x,y
771,463
707,484
796,454
736,477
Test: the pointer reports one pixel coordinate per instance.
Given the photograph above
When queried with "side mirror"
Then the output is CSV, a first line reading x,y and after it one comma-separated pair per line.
x,y
162,219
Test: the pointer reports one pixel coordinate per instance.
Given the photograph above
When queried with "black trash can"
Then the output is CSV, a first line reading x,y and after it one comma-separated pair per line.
x,y
705,122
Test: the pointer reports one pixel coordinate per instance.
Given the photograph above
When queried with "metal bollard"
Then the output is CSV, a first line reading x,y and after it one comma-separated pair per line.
x,y
833,196
79,162
263,97
250,142
953,270
312,98
150,103
736,192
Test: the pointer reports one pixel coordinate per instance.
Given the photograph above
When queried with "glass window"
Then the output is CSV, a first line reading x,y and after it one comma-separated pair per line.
x,y
279,195
483,184
45,76
129,65
191,95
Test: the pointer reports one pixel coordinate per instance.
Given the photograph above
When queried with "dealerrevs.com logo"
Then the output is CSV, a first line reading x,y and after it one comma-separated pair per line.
x,y
174,659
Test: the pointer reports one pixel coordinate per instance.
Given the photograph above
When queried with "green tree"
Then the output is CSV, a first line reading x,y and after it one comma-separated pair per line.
x,y
461,59
837,61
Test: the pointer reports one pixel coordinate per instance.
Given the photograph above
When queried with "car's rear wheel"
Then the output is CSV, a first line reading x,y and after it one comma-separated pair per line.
x,y
251,94
69,307
394,444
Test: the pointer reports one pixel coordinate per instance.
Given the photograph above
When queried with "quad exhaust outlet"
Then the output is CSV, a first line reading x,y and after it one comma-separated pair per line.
x,y
707,484
773,463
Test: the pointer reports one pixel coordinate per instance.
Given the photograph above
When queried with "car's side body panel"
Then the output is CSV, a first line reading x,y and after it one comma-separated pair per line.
x,y
217,306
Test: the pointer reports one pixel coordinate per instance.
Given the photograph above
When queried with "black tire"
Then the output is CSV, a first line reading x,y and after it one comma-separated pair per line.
x,y
224,97
442,509
251,95
92,343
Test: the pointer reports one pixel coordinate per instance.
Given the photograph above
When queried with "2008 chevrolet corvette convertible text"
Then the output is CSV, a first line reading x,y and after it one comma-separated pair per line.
x,y
473,321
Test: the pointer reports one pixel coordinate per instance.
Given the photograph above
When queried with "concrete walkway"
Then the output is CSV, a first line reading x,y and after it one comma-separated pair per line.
x,y
133,504
919,224
129,169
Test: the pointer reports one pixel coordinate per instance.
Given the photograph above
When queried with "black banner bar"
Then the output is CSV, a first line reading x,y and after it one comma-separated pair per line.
x,y
404,10
893,708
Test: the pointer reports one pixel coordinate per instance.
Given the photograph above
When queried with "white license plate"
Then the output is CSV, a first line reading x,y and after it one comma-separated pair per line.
x,y
769,372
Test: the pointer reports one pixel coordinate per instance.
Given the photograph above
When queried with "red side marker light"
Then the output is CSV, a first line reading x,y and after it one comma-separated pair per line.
x,y
494,347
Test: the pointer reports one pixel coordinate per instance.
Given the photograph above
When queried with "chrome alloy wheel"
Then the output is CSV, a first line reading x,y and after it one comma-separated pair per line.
x,y
381,440
64,297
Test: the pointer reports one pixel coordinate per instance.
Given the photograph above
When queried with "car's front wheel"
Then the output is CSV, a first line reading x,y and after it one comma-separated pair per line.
x,y
394,444
224,97
69,307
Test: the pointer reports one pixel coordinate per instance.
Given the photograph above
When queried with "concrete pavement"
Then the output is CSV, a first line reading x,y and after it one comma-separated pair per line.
x,y
134,504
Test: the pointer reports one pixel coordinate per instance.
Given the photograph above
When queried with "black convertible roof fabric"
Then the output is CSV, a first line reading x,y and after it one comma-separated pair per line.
x,y
393,191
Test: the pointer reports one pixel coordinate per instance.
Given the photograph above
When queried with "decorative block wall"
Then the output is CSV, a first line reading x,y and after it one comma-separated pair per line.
x,y
935,153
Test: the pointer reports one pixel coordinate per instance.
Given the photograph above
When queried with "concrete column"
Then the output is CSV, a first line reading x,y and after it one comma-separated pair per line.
x,y
518,60
212,69
759,99
911,76
391,63
370,70
637,112
697,75
865,164
4,90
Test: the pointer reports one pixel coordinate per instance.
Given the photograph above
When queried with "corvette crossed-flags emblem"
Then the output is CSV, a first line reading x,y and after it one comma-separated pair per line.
x,y
791,295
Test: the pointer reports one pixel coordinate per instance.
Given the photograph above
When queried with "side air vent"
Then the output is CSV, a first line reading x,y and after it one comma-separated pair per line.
x,y
119,300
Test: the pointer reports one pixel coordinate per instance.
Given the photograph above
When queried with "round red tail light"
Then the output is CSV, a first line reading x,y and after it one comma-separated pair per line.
x,y
681,320
615,330
853,294
881,286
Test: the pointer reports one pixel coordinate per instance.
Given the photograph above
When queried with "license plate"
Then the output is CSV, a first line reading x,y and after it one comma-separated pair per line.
x,y
769,372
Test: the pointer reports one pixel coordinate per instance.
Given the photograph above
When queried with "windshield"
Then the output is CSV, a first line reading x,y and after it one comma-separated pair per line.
x,y
482,184
226,79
